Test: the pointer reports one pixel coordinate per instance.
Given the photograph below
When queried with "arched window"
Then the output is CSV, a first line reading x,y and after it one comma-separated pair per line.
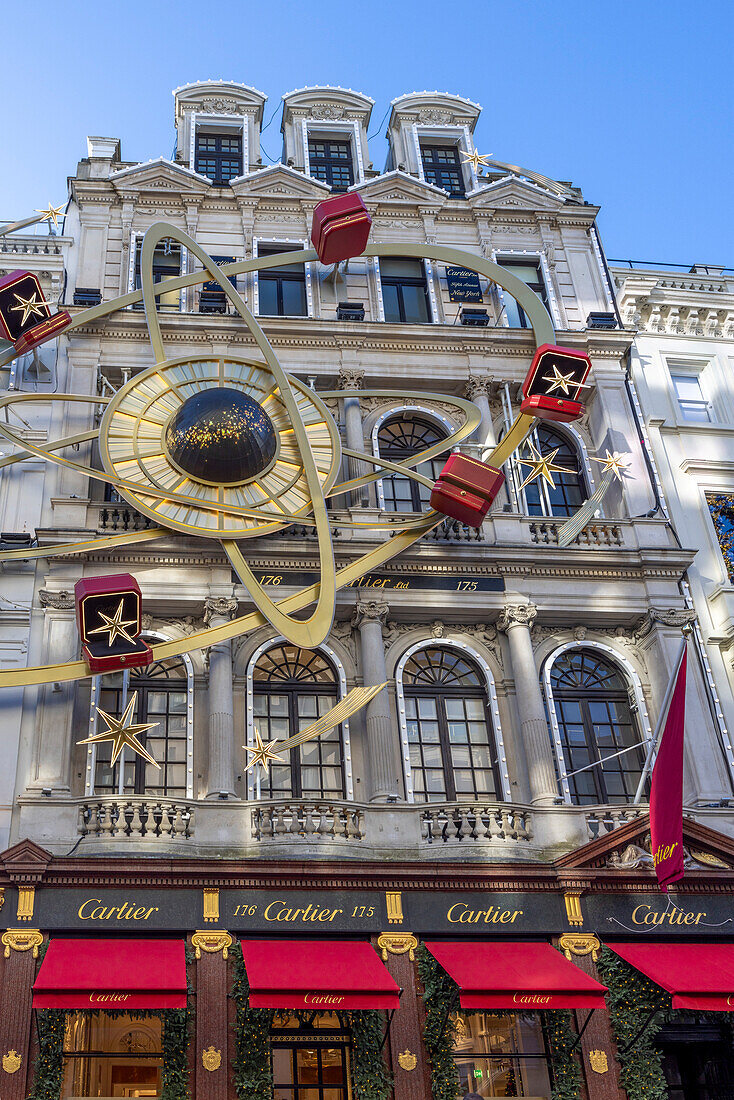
x,y
399,438
451,743
292,687
595,723
570,488
162,698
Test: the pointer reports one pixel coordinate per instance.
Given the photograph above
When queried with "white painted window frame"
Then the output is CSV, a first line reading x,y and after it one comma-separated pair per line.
x,y
226,122
432,414
250,707
463,647
535,256
700,368
148,635
578,443
137,236
329,126
427,275
629,671
450,134
301,243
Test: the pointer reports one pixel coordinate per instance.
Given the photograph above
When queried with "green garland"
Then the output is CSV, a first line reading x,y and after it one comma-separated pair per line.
x,y
48,1069
631,999
253,1073
441,993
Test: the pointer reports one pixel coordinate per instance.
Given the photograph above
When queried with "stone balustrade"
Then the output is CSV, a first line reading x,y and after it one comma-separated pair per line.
x,y
279,821
474,822
136,818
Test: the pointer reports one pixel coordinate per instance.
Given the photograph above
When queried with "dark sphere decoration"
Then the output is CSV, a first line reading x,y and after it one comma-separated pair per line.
x,y
221,436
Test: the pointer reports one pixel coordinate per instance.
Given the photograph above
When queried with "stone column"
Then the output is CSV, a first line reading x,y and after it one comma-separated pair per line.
x,y
477,390
370,615
350,378
217,611
52,743
515,621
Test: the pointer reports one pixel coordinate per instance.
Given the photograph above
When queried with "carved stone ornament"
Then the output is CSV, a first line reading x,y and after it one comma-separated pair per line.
x,y
476,385
368,611
211,1059
219,607
598,1061
433,115
350,378
12,1061
59,601
397,943
517,614
437,629
21,939
326,110
666,616
580,944
407,1061
211,942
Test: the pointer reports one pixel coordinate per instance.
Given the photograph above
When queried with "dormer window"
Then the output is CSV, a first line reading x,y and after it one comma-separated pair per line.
x,y
219,156
442,168
331,162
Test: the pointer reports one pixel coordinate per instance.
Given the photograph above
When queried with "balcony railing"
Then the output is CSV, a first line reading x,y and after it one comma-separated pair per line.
x,y
471,822
311,820
545,533
136,817
607,819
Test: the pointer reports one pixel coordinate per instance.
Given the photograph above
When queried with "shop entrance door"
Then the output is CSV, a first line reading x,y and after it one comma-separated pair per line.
x,y
698,1061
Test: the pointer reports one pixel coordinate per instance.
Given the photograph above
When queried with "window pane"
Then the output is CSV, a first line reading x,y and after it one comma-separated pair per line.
x,y
294,298
268,296
391,302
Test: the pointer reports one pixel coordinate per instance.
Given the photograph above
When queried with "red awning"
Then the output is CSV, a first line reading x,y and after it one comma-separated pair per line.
x,y
516,976
699,975
324,974
112,974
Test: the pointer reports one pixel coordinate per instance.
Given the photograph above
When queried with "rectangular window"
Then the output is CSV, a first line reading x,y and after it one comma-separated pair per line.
x,y
442,168
282,290
219,156
110,1054
501,1054
166,264
530,273
404,291
693,405
331,162
212,298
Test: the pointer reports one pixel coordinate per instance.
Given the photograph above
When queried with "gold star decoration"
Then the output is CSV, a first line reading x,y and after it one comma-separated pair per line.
x,y
115,625
123,733
613,461
563,382
542,466
30,306
475,159
262,754
52,214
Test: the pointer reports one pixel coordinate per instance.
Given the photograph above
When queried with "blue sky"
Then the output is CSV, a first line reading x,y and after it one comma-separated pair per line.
x,y
631,100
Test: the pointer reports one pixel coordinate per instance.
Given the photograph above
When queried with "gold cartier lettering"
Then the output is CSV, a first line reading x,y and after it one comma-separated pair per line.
x,y
645,914
107,998
530,999
279,911
460,913
664,851
322,999
126,911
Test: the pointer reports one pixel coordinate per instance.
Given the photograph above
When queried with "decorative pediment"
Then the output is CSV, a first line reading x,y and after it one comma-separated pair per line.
x,y
510,193
160,176
328,103
280,182
399,187
25,861
627,847
219,97
435,109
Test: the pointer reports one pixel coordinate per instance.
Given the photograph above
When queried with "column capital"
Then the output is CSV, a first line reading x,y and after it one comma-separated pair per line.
x,y
477,385
211,941
517,614
61,600
370,610
350,378
219,607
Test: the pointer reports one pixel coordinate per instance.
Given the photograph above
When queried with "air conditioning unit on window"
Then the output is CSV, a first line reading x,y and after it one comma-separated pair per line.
x,y
601,320
87,296
350,311
479,318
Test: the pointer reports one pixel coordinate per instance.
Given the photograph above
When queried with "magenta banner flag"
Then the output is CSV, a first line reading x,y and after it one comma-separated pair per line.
x,y
666,788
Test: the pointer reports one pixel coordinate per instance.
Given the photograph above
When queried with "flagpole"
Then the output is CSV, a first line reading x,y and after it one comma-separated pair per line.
x,y
660,726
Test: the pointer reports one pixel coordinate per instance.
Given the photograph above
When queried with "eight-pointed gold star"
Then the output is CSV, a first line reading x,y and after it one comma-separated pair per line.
x,y
114,625
476,159
30,306
613,461
562,381
52,214
262,754
122,732
542,466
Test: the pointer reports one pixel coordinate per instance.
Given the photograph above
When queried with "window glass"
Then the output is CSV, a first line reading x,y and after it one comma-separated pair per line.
x,y
331,162
282,290
442,168
501,1054
404,291
219,156
693,404
569,490
400,438
166,265
106,1054
530,273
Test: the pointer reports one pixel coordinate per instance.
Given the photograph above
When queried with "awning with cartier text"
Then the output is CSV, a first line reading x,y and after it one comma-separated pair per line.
x,y
326,975
117,975
516,976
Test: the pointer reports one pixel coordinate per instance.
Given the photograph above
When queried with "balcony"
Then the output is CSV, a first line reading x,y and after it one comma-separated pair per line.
x,y
137,818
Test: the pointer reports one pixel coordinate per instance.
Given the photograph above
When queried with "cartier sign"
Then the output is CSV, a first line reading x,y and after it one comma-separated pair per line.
x,y
659,915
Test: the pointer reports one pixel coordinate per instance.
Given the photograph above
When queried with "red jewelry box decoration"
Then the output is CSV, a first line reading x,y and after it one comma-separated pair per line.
x,y
466,488
22,304
340,227
43,332
100,603
555,375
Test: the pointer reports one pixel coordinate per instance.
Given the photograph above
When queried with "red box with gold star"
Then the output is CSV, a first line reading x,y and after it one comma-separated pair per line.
x,y
554,382
43,332
22,304
340,227
109,616
466,488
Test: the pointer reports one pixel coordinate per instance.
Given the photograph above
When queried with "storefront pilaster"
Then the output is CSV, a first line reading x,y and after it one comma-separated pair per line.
x,y
408,1057
20,953
212,1025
